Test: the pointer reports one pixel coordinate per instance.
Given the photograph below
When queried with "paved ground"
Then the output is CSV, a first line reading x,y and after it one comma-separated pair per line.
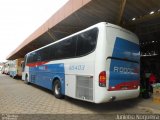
x,y
19,98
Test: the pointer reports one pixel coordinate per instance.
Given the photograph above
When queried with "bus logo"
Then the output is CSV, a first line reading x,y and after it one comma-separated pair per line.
x,y
123,69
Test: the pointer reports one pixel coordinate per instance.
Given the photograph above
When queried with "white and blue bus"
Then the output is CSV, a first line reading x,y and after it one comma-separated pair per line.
x,y
98,64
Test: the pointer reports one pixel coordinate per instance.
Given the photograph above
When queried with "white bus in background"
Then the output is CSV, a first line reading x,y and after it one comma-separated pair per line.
x,y
6,68
1,65
3,68
15,68
98,64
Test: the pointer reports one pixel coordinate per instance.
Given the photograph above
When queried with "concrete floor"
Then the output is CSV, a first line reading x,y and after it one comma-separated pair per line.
x,y
19,98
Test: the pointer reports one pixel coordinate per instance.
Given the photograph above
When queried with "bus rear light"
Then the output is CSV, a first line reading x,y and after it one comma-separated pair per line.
x,y
102,79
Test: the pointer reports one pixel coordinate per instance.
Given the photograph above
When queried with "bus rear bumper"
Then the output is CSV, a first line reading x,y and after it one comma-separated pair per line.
x,y
110,96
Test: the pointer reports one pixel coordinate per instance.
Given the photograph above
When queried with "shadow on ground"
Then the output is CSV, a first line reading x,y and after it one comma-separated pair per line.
x,y
104,107
99,108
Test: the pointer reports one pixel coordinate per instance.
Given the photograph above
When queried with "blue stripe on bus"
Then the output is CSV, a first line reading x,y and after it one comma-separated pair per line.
x,y
126,50
44,75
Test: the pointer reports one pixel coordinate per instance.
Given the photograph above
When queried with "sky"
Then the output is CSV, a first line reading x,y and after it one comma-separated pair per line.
x,y
20,18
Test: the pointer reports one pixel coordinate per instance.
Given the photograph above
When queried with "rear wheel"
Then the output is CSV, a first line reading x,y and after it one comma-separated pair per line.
x,y
57,89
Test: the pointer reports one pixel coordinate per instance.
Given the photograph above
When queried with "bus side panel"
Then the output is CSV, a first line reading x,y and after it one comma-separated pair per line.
x,y
70,85
44,75
79,78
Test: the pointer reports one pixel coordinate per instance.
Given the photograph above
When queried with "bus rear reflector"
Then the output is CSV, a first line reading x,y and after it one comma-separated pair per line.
x,y
102,79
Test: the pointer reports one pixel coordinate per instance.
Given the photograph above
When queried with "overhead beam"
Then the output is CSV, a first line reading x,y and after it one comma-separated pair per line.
x,y
122,6
51,35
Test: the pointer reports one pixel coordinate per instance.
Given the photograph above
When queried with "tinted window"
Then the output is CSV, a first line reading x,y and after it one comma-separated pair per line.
x,y
86,42
78,45
32,57
52,50
65,49
43,54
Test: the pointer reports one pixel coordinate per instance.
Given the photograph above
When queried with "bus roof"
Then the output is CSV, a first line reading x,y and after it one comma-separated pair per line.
x,y
86,29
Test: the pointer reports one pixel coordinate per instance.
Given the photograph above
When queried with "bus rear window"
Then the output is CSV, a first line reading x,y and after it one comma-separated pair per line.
x,y
124,49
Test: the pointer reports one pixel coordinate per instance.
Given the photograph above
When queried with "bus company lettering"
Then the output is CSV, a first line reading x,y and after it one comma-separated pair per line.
x,y
123,69
43,67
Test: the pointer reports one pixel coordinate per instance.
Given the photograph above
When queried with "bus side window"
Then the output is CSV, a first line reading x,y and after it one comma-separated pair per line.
x,y
52,50
38,56
86,42
65,49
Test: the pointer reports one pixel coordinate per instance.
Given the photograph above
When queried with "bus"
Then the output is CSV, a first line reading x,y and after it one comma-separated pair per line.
x,y
6,68
3,69
98,64
15,68
1,66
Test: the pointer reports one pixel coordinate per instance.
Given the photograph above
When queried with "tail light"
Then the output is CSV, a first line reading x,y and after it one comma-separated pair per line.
x,y
102,79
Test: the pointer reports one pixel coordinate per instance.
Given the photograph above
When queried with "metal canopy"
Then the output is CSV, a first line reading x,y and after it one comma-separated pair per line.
x,y
76,15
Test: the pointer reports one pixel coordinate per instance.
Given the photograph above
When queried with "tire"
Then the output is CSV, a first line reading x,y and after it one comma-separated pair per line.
x,y
57,89
13,77
26,80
